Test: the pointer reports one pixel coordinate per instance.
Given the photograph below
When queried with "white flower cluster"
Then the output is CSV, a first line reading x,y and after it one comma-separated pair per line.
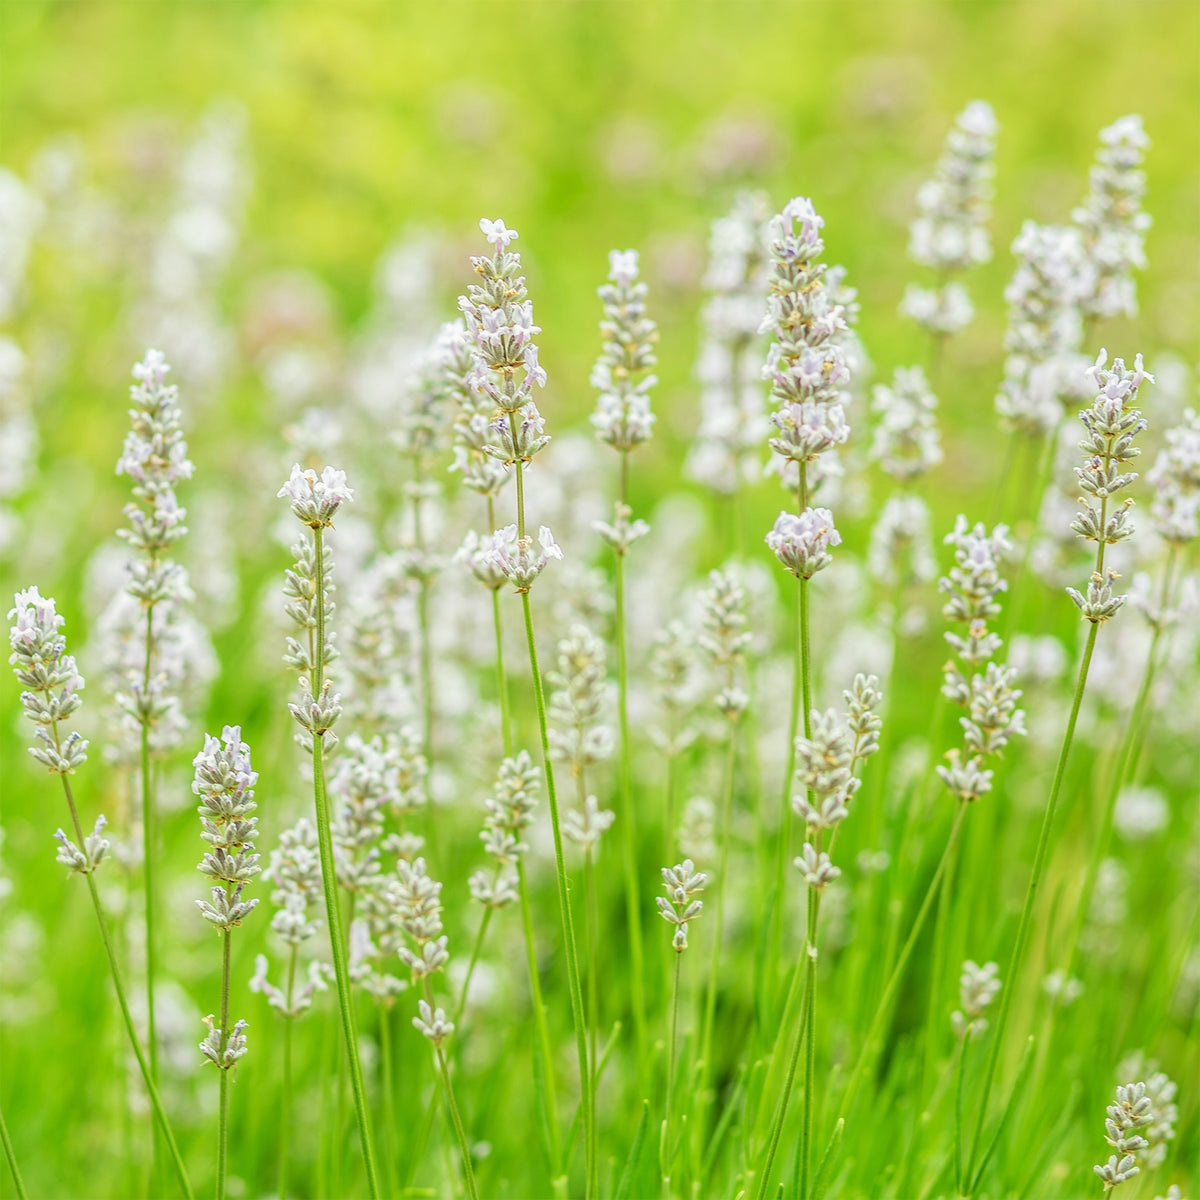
x,y
808,372
1112,221
502,557
1138,1125
974,586
827,759
623,418
1175,478
900,551
906,443
677,907
1044,371
224,781
1111,424
315,498
950,232
49,677
724,638
977,988
732,425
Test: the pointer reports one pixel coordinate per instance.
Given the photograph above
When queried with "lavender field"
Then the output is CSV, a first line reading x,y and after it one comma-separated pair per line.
x,y
604,600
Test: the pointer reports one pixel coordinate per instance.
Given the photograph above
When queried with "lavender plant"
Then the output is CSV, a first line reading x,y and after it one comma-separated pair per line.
x,y
314,501
52,686
224,781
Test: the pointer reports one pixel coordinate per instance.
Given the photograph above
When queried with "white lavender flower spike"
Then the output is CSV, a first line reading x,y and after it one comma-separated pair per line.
x,y
978,987
516,559
316,498
801,541
432,1022
677,908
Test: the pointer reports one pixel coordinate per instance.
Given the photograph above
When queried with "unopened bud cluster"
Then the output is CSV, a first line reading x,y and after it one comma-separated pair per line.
x,y
677,907
724,638
977,988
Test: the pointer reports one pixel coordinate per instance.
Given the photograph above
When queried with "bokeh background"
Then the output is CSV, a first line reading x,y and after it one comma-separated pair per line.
x,y
261,188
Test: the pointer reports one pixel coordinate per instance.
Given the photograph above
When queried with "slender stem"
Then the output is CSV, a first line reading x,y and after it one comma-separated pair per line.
x,y
893,983
1039,864
810,1034
386,1081
539,1016
764,1179
958,1112
593,1003
484,921
223,1109
285,1126
329,883
785,822
501,678
119,988
11,1156
671,1047
714,965
564,904
627,815
455,1116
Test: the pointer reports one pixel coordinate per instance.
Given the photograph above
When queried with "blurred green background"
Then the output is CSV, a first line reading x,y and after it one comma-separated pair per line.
x,y
586,126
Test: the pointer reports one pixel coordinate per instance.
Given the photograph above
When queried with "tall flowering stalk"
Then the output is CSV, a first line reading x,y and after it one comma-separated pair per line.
x,y
724,455
52,686
314,500
1110,424
155,459
723,641
828,761
224,781
679,909
950,233
295,870
499,316
579,738
418,907
623,420
807,371
973,588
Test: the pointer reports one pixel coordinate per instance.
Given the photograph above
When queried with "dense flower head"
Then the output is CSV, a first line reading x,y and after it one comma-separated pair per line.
x,y
950,232
578,734
510,808
727,366
587,825
906,442
316,498
515,558
807,429
621,375
499,318
155,453
677,907
801,541
974,586
1112,222
978,987
49,677
1175,478
825,769
224,781
900,550
1043,370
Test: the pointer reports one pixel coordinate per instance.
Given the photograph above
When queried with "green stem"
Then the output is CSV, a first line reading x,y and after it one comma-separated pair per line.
x,y
764,1180
501,678
593,1002
666,1166
714,966
285,1126
455,1116
564,904
387,1077
810,1034
11,1156
785,816
1039,864
958,1113
329,884
484,921
223,1109
122,1000
893,982
539,1017
627,816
